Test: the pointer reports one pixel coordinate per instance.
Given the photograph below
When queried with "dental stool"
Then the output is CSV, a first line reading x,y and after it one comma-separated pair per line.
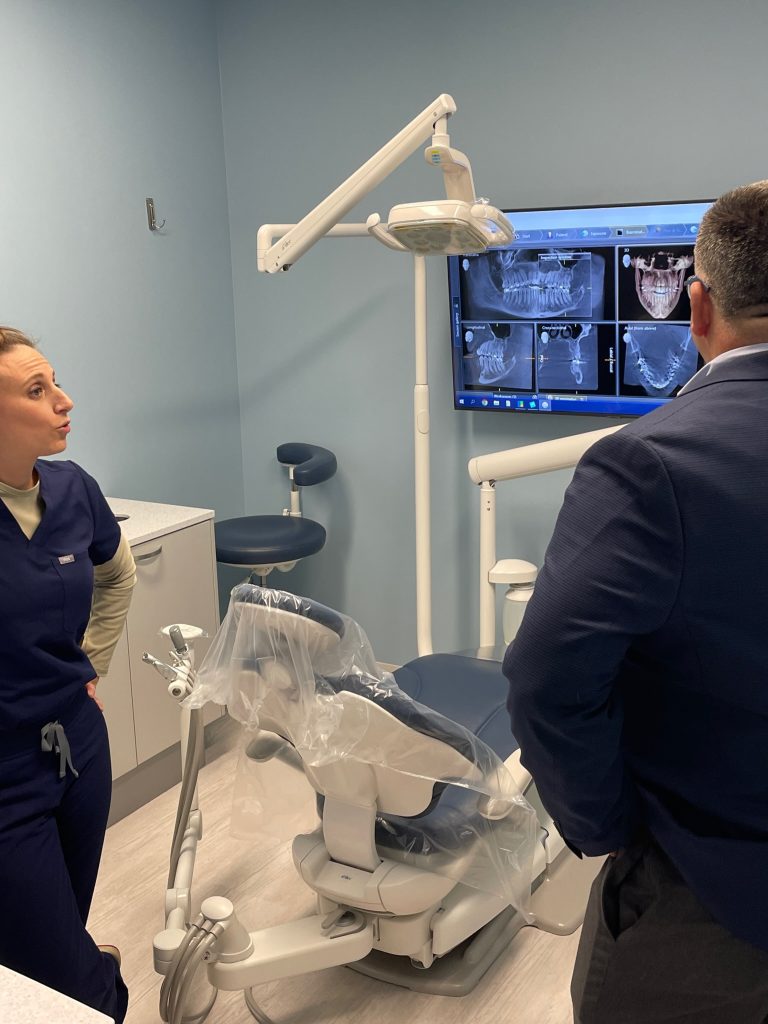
x,y
417,809
263,543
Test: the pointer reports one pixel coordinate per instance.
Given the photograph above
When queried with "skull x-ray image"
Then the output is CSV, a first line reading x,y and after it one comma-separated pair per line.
x,y
499,354
658,358
533,283
651,283
566,357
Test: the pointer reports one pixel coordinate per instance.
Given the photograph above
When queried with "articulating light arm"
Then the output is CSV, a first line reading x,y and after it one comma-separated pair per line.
x,y
301,237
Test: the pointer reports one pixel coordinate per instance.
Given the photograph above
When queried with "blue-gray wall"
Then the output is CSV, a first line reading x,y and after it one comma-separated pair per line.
x,y
559,102
103,103
182,394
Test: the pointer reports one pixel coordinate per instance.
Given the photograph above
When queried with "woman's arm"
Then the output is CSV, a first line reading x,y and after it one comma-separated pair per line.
x,y
113,584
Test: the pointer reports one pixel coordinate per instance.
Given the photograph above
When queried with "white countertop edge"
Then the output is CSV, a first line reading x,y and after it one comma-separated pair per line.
x,y
24,1001
148,520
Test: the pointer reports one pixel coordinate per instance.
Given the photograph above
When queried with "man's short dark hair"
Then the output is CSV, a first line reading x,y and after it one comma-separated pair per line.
x,y
731,251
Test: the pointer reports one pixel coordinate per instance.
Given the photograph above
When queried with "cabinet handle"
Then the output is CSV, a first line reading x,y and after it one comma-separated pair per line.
x,y
148,555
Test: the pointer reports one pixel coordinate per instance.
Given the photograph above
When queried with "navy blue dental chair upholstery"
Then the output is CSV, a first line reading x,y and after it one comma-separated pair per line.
x,y
463,692
252,541
455,695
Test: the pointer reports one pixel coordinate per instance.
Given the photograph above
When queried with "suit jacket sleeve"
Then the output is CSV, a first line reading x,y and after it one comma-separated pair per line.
x,y
611,574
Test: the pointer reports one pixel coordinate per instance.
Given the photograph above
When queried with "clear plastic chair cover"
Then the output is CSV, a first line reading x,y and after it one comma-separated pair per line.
x,y
303,680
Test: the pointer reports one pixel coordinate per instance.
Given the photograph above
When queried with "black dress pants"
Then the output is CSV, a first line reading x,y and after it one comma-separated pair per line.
x,y
651,954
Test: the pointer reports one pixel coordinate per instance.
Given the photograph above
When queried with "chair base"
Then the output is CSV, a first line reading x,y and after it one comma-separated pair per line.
x,y
454,974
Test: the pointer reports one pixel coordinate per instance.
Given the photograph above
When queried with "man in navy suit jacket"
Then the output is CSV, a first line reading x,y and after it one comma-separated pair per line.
x,y
639,677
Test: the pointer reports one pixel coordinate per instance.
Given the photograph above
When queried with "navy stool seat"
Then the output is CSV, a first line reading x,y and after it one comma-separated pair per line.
x,y
267,540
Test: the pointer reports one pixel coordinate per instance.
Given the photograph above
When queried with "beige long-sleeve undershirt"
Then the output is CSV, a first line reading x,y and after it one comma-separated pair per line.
x,y
113,581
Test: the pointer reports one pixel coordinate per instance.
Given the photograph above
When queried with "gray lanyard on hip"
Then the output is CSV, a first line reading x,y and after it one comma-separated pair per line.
x,y
53,738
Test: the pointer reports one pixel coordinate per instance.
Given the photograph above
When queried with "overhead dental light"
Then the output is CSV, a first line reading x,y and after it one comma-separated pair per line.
x,y
448,227
460,223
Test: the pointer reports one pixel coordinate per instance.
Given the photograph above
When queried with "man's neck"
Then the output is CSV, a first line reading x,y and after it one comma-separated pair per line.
x,y
737,334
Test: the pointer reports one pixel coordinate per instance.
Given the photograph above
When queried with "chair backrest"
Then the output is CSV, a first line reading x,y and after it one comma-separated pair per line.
x,y
307,679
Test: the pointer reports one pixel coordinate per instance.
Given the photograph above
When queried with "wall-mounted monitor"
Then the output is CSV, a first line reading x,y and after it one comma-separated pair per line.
x,y
585,312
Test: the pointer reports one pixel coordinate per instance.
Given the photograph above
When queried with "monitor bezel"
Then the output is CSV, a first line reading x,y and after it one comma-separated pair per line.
x,y
561,412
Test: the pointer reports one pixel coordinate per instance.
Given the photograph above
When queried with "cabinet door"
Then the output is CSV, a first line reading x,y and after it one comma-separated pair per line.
x,y
115,693
175,583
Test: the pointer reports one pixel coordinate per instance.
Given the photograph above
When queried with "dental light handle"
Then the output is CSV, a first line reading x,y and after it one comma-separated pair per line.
x,y
457,172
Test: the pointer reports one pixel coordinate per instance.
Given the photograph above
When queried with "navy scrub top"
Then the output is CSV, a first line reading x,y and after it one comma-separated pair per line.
x,y
46,587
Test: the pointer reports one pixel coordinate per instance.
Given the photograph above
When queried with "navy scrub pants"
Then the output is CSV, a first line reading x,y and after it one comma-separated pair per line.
x,y
51,837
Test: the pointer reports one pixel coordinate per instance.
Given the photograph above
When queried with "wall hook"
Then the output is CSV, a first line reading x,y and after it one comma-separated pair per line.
x,y
151,217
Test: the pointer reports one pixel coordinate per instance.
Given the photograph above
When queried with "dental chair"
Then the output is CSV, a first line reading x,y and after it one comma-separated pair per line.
x,y
432,849
263,543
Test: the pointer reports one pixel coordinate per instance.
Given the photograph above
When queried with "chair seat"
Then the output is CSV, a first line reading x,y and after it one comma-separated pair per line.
x,y
469,691
472,693
267,540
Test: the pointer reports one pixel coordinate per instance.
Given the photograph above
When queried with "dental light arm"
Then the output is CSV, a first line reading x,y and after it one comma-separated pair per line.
x,y
302,236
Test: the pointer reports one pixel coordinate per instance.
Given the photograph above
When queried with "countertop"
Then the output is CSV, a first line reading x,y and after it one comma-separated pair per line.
x,y
146,520
23,1001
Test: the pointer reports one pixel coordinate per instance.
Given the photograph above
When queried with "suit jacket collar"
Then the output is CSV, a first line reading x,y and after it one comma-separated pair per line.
x,y
752,366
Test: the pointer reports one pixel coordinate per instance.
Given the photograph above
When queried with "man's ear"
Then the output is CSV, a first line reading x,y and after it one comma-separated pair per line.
x,y
702,311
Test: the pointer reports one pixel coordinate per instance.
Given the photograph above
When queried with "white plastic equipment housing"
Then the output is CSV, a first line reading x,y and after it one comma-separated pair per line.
x,y
513,571
288,950
391,888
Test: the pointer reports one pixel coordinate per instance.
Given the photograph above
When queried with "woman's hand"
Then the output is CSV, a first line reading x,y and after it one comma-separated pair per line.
x,y
90,689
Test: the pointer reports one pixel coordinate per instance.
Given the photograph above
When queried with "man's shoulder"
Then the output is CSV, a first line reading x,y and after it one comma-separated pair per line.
x,y
683,414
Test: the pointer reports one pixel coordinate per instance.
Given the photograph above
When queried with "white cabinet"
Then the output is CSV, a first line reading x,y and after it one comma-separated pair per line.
x,y
176,582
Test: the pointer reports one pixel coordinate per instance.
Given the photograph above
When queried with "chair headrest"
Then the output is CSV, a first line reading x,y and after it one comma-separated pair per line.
x,y
281,601
313,465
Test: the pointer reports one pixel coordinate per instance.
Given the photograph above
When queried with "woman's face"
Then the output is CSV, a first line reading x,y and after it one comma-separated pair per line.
x,y
34,411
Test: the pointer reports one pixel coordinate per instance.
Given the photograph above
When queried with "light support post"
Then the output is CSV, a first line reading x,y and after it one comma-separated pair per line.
x,y
471,222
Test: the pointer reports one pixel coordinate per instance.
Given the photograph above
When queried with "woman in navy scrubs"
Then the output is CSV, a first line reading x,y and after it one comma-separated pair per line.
x,y
65,580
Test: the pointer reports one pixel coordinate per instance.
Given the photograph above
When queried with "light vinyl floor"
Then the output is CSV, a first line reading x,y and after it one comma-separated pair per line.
x,y
528,984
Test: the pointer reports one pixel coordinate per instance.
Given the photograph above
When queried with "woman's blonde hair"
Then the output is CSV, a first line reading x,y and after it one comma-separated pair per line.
x,y
10,337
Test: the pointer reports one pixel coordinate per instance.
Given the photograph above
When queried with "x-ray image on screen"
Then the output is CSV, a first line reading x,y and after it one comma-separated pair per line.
x,y
533,284
499,354
566,357
651,282
658,358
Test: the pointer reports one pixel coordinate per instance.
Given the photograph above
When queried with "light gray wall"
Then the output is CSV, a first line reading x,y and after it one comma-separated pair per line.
x,y
102,103
559,102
